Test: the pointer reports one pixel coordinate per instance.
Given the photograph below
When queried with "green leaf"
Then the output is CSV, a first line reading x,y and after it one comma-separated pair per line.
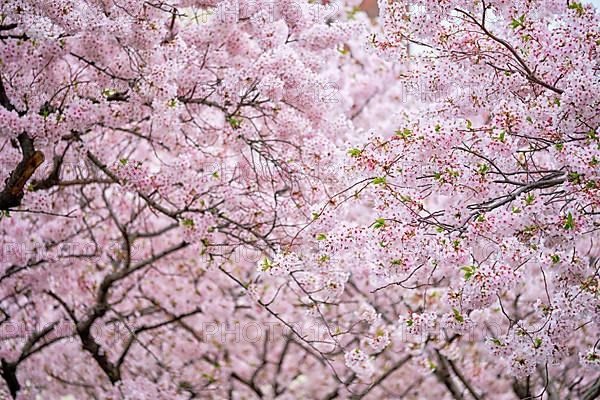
x,y
529,199
321,236
483,169
187,222
354,152
456,244
185,385
108,92
452,172
469,124
569,223
457,315
404,134
574,177
531,229
379,180
501,137
379,223
555,258
438,128
266,265
208,377
577,7
235,123
517,23
537,342
469,271
352,13
431,365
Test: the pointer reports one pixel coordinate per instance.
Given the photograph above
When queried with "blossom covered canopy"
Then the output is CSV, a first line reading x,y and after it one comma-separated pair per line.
x,y
296,199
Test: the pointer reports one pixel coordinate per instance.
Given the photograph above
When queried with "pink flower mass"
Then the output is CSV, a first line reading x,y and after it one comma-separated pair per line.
x,y
299,199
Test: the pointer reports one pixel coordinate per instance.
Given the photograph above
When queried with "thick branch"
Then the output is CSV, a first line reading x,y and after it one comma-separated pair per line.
x,y
527,72
12,194
593,392
14,187
442,373
383,377
9,374
544,183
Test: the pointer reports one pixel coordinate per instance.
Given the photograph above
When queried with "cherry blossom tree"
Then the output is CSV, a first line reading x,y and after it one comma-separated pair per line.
x,y
293,199
470,225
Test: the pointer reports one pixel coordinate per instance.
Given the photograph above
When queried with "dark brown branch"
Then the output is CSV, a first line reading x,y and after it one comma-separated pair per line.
x,y
464,381
12,194
53,177
442,373
383,377
593,392
8,372
522,388
543,183
13,191
99,310
527,72
7,27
